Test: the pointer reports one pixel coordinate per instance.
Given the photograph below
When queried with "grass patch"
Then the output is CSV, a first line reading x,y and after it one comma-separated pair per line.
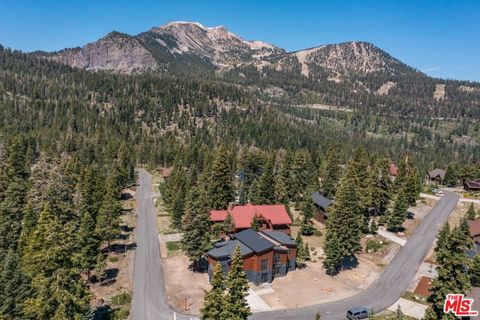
x,y
173,245
113,259
122,299
374,245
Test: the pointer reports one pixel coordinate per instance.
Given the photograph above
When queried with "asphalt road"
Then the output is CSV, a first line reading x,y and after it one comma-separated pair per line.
x,y
394,280
149,298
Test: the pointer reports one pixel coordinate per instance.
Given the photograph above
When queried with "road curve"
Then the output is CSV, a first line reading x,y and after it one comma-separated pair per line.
x,y
393,281
149,299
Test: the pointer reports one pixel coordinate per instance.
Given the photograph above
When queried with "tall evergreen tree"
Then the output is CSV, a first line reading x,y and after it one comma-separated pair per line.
x,y
236,306
214,301
452,269
282,177
344,222
471,214
266,183
475,271
107,226
382,186
451,176
332,173
14,196
220,185
398,214
58,288
300,174
196,226
14,287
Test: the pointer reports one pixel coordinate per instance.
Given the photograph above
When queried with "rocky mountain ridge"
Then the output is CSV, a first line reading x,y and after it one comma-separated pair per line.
x,y
180,45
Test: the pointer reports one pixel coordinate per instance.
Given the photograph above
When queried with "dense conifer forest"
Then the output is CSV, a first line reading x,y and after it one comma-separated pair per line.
x,y
70,141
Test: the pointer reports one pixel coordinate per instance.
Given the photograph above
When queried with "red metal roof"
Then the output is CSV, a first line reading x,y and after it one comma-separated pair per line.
x,y
243,215
474,228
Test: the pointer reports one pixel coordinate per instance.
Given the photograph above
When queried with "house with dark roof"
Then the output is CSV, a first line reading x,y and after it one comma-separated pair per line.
x,y
266,254
269,217
322,203
472,185
435,176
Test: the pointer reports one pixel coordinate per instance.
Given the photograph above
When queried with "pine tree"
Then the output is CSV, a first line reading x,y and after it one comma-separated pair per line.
x,y
214,301
343,224
178,207
266,183
333,254
58,288
382,185
107,226
300,174
301,254
308,210
318,316
14,287
196,226
471,214
399,314
442,239
360,169
220,187
308,257
229,224
282,192
332,173
452,271
451,176
236,306
398,215
88,244
14,196
475,271
255,225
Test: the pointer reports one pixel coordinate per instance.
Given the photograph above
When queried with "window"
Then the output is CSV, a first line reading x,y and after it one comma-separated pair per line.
x,y
264,265
276,259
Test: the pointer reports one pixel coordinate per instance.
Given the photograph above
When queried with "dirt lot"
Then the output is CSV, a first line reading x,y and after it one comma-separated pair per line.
x,y
185,289
459,212
311,285
419,212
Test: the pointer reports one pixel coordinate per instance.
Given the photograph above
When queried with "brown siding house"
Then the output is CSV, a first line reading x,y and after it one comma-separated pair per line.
x,y
266,254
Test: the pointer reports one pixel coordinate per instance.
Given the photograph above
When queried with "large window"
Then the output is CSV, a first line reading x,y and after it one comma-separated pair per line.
x,y
276,259
264,264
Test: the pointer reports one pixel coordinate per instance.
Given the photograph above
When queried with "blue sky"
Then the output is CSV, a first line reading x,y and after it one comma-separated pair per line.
x,y
439,37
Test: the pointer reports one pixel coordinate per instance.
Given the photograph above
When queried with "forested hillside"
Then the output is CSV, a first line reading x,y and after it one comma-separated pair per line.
x,y
70,140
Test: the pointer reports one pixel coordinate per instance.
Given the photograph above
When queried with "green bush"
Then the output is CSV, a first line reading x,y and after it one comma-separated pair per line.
x,y
113,259
173,245
122,299
373,245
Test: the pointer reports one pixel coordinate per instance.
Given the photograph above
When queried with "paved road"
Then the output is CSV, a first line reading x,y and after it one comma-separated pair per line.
x,y
392,282
149,298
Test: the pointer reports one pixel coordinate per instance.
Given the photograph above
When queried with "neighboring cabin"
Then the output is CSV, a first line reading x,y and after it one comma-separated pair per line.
x,y
322,204
269,217
473,185
266,254
435,176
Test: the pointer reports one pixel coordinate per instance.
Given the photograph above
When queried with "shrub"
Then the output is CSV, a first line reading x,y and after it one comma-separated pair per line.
x,y
173,245
122,299
373,245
